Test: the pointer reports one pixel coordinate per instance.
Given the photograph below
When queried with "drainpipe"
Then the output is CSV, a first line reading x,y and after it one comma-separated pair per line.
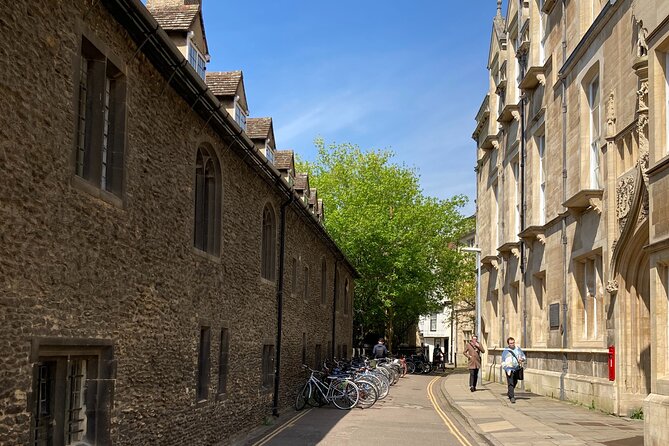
x,y
563,230
523,67
279,302
334,307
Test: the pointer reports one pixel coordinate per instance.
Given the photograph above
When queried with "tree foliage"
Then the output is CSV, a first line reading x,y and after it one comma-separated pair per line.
x,y
401,242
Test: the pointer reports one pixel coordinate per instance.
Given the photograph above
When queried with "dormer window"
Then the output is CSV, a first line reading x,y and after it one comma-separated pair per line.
x,y
269,153
196,59
240,116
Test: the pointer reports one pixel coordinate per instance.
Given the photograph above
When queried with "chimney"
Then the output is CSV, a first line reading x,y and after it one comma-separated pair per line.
x,y
151,4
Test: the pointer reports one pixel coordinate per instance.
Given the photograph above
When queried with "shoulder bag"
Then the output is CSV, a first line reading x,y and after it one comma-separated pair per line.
x,y
520,373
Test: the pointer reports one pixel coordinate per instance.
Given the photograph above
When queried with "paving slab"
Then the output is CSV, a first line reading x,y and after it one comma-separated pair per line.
x,y
535,419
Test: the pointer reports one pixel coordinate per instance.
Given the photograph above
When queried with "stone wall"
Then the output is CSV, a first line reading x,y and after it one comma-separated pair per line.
x,y
78,265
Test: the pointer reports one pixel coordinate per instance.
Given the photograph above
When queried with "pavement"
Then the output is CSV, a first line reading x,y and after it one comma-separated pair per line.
x,y
534,420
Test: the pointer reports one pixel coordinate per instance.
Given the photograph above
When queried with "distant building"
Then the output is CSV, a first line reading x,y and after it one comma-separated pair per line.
x,y
162,282
572,185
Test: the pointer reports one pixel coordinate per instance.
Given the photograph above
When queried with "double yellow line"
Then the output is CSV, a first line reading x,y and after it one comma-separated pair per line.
x,y
451,426
285,426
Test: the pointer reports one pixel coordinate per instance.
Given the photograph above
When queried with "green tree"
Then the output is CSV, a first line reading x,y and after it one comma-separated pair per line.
x,y
402,242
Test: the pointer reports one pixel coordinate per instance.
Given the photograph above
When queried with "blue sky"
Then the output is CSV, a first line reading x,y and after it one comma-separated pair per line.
x,y
408,77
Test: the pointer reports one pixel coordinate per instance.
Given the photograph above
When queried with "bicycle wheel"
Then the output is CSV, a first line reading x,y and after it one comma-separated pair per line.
x,y
303,396
382,387
346,395
368,393
411,367
427,367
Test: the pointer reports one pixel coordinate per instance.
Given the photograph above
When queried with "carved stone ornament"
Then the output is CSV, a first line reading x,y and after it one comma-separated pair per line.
x,y
612,286
611,115
641,45
624,197
642,94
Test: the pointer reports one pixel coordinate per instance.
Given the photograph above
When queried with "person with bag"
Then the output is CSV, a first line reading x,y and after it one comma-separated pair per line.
x,y
513,360
380,351
473,350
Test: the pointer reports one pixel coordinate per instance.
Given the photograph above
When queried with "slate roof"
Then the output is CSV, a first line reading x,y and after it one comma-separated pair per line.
x,y
223,83
301,181
175,18
313,199
258,128
283,159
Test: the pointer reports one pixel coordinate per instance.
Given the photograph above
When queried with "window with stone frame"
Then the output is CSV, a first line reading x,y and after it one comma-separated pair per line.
x,y
318,357
223,355
293,275
324,281
589,280
267,366
305,282
203,364
101,118
666,102
543,31
347,297
515,168
663,271
594,132
207,201
495,214
433,322
72,392
268,248
539,314
541,152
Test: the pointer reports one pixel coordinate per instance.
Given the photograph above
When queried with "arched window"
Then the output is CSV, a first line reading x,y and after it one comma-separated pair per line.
x,y
268,249
324,281
207,201
347,297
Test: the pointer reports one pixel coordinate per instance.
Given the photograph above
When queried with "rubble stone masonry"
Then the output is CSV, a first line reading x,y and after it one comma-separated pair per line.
x,y
87,268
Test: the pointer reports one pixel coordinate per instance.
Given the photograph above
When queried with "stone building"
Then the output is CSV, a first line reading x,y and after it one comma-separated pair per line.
x,y
161,281
572,185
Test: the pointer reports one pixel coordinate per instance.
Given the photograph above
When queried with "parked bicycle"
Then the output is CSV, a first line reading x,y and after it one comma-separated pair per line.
x,y
342,392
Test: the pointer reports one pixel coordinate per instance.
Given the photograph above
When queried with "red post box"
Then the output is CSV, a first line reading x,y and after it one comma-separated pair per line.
x,y
612,362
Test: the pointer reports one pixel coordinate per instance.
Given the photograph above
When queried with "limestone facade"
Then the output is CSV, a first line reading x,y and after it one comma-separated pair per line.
x,y
571,191
113,302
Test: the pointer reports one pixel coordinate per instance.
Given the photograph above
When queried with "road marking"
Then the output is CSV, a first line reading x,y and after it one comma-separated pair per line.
x,y
451,426
286,425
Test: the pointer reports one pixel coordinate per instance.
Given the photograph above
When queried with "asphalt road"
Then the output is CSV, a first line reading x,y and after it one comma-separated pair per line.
x,y
414,412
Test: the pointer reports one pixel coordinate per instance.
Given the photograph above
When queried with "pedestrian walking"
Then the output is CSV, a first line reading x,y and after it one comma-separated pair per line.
x,y
513,361
380,350
437,357
473,350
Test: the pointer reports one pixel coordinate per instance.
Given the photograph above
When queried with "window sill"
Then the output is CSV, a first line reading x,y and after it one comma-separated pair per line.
x,y
83,185
268,282
206,255
584,199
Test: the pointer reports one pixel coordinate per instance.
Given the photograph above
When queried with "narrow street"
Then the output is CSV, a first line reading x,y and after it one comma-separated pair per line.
x,y
415,412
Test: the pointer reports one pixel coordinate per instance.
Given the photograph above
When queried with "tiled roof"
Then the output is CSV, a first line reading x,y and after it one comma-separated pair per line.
x,y
301,181
175,18
283,159
223,83
258,128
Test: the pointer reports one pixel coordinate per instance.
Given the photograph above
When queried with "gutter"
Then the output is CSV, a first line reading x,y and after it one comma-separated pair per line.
x,y
590,35
279,303
153,41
